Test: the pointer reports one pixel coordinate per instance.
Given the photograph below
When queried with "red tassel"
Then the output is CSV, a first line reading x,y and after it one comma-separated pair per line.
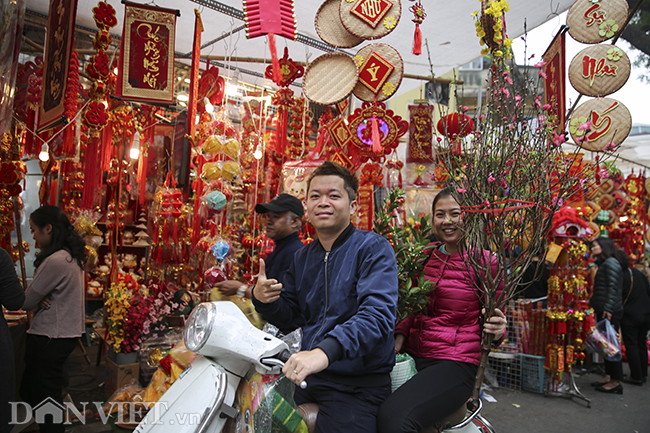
x,y
142,176
417,40
277,73
90,175
376,141
283,120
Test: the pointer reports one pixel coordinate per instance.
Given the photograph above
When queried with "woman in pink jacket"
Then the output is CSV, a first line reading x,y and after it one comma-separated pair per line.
x,y
445,341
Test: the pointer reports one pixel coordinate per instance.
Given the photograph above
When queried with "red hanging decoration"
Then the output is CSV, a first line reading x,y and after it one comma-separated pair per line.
x,y
419,16
455,126
270,17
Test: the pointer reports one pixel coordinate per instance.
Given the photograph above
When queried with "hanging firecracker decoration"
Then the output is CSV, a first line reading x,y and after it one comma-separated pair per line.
x,y
455,126
271,17
418,16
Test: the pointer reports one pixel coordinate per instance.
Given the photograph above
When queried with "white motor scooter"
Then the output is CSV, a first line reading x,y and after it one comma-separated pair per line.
x,y
202,399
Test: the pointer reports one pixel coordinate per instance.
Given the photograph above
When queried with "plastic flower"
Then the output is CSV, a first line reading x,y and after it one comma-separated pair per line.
x,y
574,125
390,22
614,54
608,29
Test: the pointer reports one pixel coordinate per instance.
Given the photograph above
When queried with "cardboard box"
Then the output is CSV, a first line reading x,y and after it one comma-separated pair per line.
x,y
118,376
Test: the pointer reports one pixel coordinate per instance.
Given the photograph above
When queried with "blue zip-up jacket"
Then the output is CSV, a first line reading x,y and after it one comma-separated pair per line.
x,y
347,298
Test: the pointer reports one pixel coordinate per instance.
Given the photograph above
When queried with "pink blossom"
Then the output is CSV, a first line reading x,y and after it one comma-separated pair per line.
x,y
517,98
542,74
610,147
491,178
507,93
537,102
547,107
585,126
481,117
540,64
542,119
509,80
439,139
461,190
558,139
604,173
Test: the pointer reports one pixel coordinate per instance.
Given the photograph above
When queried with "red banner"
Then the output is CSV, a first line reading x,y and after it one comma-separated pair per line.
x,y
146,69
194,74
58,49
420,133
555,82
366,210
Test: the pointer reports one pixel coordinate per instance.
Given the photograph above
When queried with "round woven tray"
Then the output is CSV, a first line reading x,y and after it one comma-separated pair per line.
x,y
330,28
603,112
330,78
360,28
392,56
580,28
599,82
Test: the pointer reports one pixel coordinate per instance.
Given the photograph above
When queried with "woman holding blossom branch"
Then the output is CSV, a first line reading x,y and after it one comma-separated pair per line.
x,y
445,340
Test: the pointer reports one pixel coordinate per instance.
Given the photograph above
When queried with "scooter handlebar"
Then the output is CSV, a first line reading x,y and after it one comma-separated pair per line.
x,y
280,359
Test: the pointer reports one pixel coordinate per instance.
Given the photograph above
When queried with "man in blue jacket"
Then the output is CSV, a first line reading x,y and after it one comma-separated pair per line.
x,y
344,288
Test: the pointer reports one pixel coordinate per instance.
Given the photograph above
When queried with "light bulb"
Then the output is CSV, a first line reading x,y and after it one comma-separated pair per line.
x,y
258,152
45,152
208,106
135,147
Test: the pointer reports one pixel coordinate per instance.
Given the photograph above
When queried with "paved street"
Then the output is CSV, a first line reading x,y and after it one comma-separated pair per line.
x,y
513,412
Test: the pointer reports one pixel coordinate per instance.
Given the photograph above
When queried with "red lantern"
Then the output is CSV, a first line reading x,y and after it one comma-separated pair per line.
x,y
455,126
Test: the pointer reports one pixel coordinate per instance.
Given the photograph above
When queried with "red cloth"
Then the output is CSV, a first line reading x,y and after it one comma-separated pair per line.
x,y
450,327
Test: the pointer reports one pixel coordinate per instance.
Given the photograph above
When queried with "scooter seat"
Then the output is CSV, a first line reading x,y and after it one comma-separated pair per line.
x,y
309,412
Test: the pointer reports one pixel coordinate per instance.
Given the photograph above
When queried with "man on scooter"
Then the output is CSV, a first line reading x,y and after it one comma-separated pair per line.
x,y
344,287
283,220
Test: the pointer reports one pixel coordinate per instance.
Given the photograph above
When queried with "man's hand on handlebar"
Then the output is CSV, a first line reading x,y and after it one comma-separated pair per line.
x,y
266,291
496,324
304,363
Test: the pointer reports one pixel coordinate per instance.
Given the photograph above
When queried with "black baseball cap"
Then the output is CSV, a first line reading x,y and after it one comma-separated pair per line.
x,y
282,203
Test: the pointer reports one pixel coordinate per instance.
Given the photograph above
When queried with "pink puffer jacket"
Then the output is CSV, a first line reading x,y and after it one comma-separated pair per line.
x,y
450,328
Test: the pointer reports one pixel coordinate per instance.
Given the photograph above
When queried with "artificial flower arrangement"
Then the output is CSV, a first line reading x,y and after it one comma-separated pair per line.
x,y
135,312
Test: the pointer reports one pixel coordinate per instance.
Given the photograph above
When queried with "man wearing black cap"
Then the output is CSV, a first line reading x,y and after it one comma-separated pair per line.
x,y
283,220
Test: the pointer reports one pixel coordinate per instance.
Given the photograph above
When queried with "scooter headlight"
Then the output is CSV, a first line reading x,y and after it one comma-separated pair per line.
x,y
199,326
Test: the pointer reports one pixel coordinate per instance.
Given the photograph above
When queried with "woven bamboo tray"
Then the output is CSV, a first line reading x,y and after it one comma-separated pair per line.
x,y
605,114
330,28
360,28
394,80
330,78
589,31
598,81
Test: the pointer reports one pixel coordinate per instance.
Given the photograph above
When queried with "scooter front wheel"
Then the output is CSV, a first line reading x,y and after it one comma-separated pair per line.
x,y
478,425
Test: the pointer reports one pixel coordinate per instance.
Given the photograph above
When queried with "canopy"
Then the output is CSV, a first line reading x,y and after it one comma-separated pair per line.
x,y
448,29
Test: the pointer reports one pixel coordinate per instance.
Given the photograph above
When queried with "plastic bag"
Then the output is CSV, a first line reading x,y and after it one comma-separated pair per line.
x,y
602,339
403,370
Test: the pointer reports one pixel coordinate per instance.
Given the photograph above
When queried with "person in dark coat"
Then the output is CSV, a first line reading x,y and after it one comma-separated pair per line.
x,y
607,302
12,296
636,319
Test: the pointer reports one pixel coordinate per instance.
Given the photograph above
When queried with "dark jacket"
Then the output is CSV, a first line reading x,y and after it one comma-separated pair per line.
x,y
638,302
278,262
608,289
347,298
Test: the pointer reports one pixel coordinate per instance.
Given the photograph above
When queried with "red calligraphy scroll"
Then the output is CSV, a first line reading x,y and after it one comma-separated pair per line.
x,y
555,82
58,49
146,68
420,133
194,74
